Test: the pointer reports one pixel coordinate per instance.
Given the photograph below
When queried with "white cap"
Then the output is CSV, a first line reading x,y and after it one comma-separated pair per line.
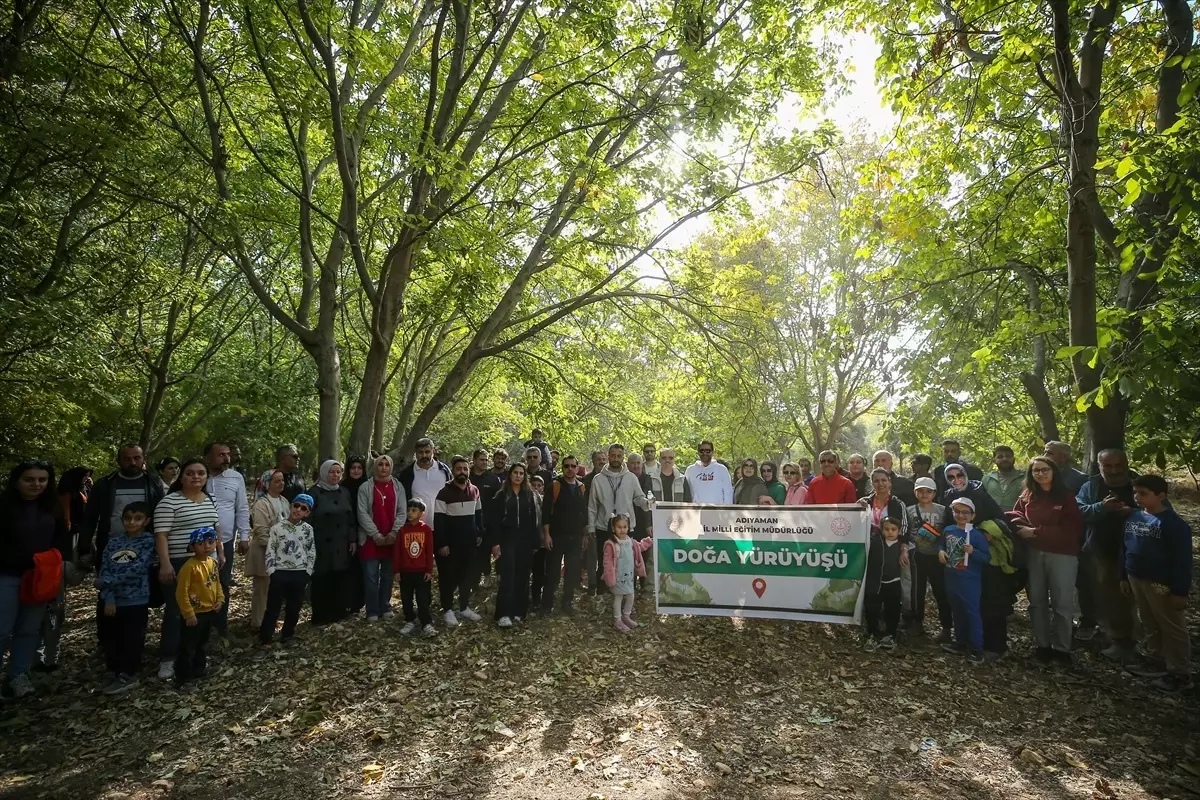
x,y
963,501
925,483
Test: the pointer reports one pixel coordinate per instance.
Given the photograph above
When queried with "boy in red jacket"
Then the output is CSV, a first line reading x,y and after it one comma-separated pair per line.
x,y
412,560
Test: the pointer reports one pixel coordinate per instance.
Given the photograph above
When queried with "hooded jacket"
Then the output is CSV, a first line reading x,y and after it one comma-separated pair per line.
x,y
615,493
513,520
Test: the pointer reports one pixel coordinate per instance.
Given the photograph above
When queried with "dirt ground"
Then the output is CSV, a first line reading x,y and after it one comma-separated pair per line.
x,y
684,707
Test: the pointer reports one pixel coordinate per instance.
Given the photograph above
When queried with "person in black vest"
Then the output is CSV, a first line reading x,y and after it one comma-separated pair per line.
x,y
564,525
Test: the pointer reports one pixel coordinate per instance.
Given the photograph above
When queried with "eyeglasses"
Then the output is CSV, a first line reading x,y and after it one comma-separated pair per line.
x,y
1041,470
826,461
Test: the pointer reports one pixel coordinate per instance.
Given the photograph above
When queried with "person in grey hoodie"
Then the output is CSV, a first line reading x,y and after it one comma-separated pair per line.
x,y
614,490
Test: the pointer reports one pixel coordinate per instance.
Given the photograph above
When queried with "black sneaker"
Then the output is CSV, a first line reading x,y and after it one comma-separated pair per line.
x,y
945,637
975,658
954,647
1044,655
1173,684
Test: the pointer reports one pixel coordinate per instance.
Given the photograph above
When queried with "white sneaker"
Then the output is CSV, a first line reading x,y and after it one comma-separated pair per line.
x,y
429,631
166,670
450,620
504,622
408,628
469,615
21,686
516,619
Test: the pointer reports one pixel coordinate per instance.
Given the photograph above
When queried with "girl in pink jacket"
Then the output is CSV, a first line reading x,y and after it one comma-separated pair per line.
x,y
622,562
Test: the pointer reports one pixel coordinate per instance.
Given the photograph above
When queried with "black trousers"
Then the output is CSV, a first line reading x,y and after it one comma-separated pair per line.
x,y
286,594
995,605
568,550
192,662
928,572
456,572
123,638
512,596
330,591
883,605
537,577
355,596
602,536
413,586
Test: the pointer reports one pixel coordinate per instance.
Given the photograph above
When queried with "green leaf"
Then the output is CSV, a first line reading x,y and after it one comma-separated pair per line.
x,y
1125,167
1188,92
1133,190
1127,254
982,353
1069,352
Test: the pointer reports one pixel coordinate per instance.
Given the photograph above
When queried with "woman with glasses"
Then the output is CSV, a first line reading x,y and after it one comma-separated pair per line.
x,y
796,490
272,507
770,475
1048,519
750,490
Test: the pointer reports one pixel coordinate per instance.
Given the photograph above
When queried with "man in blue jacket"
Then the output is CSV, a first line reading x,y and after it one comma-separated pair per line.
x,y
1106,502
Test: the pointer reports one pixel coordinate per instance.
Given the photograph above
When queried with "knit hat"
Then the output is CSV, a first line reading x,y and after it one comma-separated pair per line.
x,y
303,498
202,535
925,483
963,501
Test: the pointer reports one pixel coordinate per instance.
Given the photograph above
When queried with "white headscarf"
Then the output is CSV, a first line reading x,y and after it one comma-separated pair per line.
x,y
323,482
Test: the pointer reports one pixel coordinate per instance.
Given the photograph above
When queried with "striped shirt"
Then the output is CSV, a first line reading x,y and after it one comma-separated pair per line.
x,y
176,517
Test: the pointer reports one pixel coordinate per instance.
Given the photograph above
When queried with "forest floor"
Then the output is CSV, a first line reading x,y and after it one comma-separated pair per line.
x,y
684,707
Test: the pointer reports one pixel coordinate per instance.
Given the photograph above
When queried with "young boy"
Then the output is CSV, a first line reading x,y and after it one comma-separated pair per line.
x,y
291,555
884,560
964,552
413,562
926,520
1157,572
198,593
124,583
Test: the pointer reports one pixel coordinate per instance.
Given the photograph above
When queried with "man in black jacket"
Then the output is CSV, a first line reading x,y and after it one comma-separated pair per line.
x,y
564,523
952,454
129,483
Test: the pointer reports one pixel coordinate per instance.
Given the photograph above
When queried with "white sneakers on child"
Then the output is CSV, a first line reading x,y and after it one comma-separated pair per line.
x,y
166,670
408,629
469,615
429,631
504,622
450,620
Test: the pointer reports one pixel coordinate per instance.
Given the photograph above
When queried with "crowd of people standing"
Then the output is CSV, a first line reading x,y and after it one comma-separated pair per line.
x,y
1104,551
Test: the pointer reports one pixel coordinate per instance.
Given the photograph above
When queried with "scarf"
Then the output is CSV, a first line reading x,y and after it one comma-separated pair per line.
x,y
324,483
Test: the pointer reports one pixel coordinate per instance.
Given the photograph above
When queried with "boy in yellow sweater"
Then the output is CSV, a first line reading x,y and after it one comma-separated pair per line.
x,y
198,592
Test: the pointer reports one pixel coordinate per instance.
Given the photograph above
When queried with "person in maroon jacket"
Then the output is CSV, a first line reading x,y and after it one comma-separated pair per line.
x,y
830,486
413,561
1048,519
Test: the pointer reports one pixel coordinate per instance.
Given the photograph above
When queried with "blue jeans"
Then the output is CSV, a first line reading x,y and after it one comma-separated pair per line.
x,y
226,579
377,585
20,627
172,622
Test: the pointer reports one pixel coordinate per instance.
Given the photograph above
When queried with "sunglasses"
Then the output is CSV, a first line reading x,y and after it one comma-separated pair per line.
x,y
789,472
826,461
955,476
300,505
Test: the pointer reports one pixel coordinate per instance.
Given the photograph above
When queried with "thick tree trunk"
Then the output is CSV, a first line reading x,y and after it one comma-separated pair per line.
x,y
329,395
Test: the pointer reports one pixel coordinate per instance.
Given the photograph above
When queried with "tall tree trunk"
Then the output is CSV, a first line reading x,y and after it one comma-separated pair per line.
x,y
329,395
1035,378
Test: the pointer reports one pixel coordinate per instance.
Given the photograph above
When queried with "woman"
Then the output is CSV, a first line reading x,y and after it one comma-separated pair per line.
x,y
168,473
775,488
334,523
356,476
73,489
750,489
881,504
1048,519
266,511
797,491
514,535
185,508
31,522
863,483
381,506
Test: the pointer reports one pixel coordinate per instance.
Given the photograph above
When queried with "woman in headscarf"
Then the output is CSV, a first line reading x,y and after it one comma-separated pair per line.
x,y
334,524
382,505
770,475
750,489
357,474
272,507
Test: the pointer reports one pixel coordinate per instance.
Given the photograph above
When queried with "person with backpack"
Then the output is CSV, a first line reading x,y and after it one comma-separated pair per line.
x,y
34,542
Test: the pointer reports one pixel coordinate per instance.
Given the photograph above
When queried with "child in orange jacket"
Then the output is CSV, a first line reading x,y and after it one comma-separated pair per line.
x,y
412,560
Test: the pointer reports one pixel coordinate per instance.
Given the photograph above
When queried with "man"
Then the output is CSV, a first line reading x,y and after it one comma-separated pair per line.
x,y
227,488
709,479
1106,501
902,487
858,475
555,458
649,464
669,485
1060,454
235,458
1005,483
830,486
535,466
952,454
287,457
425,477
488,482
806,470
564,522
599,461
457,536
500,464
615,490
922,466
109,496
539,441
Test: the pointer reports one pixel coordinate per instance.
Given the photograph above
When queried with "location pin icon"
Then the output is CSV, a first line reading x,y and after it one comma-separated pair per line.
x,y
759,586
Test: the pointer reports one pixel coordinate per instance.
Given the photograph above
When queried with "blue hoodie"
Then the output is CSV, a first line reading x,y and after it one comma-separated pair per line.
x,y
1158,548
952,542
125,570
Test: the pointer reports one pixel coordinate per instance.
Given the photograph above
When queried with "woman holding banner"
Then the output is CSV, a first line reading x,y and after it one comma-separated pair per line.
x,y
797,491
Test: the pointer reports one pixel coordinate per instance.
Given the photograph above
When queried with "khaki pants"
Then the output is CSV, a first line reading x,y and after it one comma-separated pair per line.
x,y
1115,607
1165,626
258,600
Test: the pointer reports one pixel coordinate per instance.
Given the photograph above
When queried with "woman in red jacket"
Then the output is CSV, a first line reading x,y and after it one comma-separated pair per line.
x,y
1047,517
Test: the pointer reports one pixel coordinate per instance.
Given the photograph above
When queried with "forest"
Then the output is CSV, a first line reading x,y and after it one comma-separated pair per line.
x,y
352,223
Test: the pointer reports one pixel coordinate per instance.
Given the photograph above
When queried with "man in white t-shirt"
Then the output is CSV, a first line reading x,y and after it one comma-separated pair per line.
x,y
709,479
425,477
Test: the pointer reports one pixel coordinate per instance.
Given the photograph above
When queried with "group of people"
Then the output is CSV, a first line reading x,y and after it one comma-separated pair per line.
x,y
1108,546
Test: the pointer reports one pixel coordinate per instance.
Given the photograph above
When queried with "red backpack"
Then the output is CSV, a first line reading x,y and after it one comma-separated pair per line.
x,y
42,583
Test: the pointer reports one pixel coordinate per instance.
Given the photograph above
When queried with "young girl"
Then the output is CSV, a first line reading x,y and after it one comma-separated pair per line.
x,y
884,561
622,562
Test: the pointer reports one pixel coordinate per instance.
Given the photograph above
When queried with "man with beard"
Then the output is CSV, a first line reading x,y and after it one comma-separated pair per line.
x,y
1006,482
457,536
952,454
564,521
615,490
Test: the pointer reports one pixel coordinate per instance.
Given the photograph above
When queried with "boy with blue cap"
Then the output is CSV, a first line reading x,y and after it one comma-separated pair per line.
x,y
198,593
291,556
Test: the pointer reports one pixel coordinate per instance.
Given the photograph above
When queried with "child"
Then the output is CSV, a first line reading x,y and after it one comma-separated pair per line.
x,y
1157,572
124,584
884,561
413,561
925,521
963,550
291,555
198,593
622,562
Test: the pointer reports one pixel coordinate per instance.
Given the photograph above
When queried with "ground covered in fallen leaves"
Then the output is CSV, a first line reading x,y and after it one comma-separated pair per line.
x,y
569,708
